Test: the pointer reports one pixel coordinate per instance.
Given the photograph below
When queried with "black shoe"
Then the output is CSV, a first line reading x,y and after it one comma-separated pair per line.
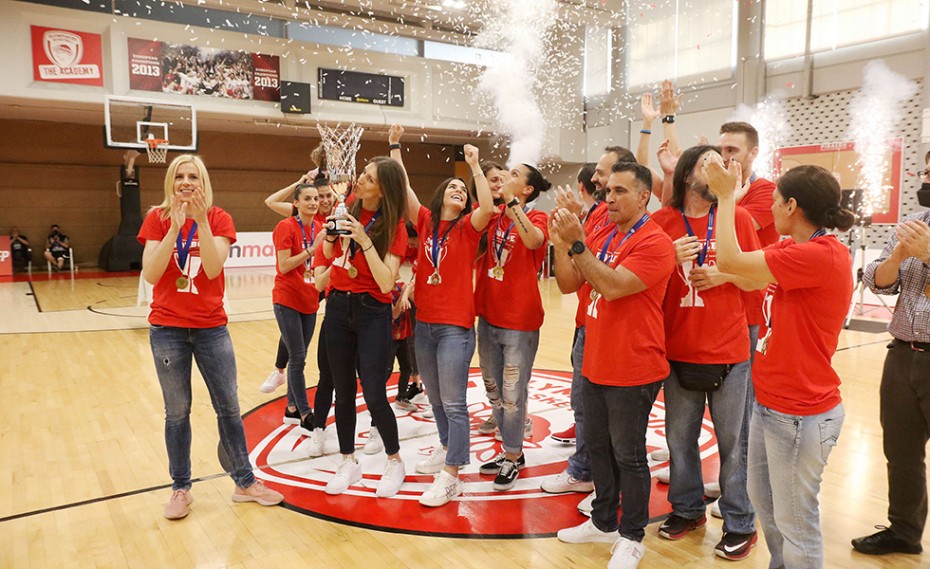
x,y
508,474
884,542
412,392
494,466
291,417
307,423
676,527
736,546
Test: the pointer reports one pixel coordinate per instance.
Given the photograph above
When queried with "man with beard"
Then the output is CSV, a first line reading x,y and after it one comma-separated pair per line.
x,y
707,344
905,389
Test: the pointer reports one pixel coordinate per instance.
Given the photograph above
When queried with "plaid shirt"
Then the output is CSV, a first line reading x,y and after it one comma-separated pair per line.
x,y
911,320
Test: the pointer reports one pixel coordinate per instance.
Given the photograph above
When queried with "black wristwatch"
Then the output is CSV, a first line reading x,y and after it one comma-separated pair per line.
x,y
577,248
513,203
668,119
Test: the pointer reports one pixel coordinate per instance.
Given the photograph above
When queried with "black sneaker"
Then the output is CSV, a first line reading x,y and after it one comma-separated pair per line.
x,y
412,392
307,423
736,546
508,474
494,466
676,527
884,542
291,417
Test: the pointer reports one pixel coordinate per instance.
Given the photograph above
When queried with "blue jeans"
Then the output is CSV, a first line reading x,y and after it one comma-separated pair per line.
x,y
296,332
684,415
358,335
579,464
506,358
615,431
443,354
787,454
212,348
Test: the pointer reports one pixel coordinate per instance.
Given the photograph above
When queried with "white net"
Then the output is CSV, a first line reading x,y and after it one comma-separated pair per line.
x,y
157,150
341,145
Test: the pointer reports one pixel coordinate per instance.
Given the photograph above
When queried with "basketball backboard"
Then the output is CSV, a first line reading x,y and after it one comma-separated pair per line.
x,y
130,121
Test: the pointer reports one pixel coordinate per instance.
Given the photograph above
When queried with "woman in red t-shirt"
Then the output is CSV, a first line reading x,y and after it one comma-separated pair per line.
x,y
357,326
508,323
186,241
445,337
295,297
798,412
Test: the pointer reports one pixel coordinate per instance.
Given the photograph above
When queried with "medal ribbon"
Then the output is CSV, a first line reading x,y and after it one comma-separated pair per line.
x,y
710,231
591,212
303,233
437,243
499,249
819,233
353,246
185,248
603,254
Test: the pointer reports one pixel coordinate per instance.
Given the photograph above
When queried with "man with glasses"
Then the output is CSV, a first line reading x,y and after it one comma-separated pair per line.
x,y
902,269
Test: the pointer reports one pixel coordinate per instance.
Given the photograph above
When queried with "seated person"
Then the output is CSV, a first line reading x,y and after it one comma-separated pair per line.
x,y
19,248
57,248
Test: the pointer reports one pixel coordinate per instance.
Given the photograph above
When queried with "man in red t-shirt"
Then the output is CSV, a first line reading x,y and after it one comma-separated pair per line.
x,y
624,269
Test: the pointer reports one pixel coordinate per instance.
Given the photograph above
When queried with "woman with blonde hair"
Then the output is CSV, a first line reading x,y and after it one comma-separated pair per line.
x,y
186,239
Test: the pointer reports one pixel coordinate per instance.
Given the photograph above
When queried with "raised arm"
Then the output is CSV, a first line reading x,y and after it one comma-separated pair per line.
x,y
413,202
567,275
531,235
481,216
650,114
668,107
280,201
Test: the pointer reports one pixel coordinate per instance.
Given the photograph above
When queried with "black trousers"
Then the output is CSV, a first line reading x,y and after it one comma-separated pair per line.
x,y
905,417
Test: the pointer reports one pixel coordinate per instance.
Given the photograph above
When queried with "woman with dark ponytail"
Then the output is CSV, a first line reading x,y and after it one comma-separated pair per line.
x,y
798,412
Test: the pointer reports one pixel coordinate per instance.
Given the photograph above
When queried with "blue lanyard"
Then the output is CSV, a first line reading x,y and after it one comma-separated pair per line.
x,y
819,233
312,232
353,246
603,254
710,231
438,243
184,249
500,248
753,178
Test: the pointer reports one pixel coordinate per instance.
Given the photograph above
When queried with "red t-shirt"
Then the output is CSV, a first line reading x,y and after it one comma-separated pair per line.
x,y
595,221
295,288
343,259
452,301
758,202
625,338
706,327
401,328
200,303
511,300
808,307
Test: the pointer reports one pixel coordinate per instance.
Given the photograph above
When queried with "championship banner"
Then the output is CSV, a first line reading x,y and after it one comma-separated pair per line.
x,y
66,56
190,70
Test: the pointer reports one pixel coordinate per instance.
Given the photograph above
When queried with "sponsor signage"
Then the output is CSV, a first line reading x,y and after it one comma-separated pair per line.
x,y
251,249
66,56
190,70
6,257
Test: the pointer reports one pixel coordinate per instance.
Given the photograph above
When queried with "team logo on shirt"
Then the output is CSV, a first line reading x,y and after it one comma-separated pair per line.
x,y
279,452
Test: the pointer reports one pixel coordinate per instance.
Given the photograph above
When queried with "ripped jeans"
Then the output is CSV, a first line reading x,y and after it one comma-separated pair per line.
x,y
506,358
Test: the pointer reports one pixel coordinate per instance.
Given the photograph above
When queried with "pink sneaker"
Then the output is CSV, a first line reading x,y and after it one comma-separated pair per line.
x,y
258,492
179,505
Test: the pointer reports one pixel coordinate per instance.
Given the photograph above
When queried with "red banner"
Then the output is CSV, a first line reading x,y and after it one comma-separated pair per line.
x,y
66,56
6,257
191,70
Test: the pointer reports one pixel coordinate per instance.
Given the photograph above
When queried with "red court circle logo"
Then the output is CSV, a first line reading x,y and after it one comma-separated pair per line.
x,y
279,453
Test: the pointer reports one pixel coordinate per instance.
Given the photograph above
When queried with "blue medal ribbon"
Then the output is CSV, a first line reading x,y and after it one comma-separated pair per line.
x,y
603,254
819,233
303,233
710,231
438,243
500,248
185,247
353,246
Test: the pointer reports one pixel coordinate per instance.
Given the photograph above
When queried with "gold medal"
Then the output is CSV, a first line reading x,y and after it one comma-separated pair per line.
x,y
307,275
434,279
353,272
182,283
498,272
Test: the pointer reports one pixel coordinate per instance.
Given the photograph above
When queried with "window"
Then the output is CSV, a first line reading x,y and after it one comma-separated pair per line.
x,y
837,23
679,39
597,61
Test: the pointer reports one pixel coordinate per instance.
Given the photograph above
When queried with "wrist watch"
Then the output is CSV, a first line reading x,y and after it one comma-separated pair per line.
x,y
513,203
577,248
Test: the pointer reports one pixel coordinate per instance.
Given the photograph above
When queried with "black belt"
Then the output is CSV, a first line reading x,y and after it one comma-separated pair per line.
x,y
916,346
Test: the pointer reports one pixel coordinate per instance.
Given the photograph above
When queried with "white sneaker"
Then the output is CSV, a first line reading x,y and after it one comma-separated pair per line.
x,y
432,464
564,483
274,381
586,506
373,445
626,554
715,509
426,414
445,487
587,532
663,475
660,455
348,473
392,479
317,438
712,489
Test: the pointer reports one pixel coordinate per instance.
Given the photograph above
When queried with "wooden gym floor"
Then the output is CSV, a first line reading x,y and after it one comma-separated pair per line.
x,y
83,475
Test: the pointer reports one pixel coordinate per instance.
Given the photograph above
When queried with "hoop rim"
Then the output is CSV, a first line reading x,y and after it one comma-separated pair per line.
x,y
156,142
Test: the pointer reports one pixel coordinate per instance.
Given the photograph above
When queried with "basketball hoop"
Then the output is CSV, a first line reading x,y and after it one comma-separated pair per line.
x,y
341,147
157,149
